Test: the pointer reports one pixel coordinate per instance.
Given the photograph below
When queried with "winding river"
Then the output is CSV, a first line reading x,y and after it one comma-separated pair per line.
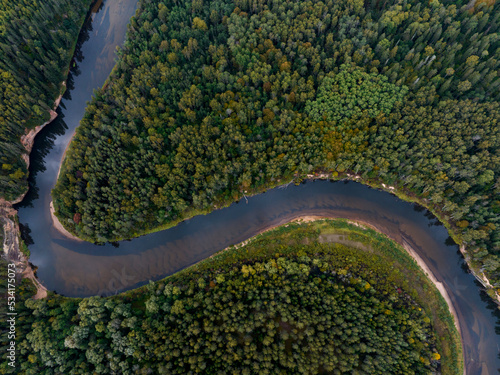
x,y
81,269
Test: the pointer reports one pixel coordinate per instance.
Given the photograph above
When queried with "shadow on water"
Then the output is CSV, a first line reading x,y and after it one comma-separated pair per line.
x,y
25,232
450,242
418,208
78,56
433,220
493,307
44,142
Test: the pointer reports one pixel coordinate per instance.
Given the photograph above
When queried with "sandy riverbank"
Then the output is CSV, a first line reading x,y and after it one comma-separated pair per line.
x,y
421,263
304,219
308,218
58,226
41,291
410,250
64,155
439,285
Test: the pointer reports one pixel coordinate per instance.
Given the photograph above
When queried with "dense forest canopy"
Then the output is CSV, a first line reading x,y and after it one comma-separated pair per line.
x,y
37,39
213,99
276,306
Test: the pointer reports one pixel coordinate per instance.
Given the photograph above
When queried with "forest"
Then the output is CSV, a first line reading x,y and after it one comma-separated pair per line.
x,y
285,303
211,100
37,40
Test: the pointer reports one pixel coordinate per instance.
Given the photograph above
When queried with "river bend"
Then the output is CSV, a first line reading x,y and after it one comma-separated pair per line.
x,y
81,269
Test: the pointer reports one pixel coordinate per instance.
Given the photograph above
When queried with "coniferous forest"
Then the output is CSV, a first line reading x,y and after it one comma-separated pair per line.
x,y
213,99
275,306
37,40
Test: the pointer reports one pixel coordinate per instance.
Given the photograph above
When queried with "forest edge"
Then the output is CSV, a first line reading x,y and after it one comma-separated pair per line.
x,y
8,214
11,232
362,225
480,276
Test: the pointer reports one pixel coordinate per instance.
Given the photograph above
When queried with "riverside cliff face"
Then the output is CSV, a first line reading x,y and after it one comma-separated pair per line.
x,y
9,224
11,233
11,250
28,139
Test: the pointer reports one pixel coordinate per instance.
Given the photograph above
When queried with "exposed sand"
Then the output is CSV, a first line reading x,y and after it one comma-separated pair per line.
x,y
58,226
64,155
411,251
439,285
307,219
41,291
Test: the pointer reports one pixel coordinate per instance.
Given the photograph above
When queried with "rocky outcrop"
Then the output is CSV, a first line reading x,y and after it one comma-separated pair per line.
x,y
28,139
11,249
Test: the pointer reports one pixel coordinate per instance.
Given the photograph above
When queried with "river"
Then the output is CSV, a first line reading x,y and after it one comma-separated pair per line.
x,y
80,269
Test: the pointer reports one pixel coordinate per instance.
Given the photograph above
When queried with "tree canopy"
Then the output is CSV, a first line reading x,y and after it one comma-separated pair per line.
x,y
37,40
276,305
350,92
210,100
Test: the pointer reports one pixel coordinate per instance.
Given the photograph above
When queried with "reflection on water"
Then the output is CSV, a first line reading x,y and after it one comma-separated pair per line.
x,y
160,254
82,269
25,232
45,140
